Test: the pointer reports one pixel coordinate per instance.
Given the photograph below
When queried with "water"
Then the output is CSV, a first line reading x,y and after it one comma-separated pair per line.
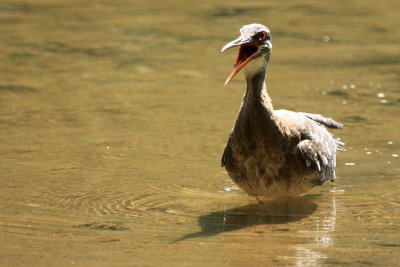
x,y
114,117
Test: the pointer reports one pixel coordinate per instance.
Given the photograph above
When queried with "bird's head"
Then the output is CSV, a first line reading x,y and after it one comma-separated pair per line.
x,y
255,46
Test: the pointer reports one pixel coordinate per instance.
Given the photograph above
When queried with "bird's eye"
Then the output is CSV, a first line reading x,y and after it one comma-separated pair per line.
x,y
262,35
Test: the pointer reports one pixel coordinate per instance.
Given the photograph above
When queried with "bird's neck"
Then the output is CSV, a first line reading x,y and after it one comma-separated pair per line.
x,y
256,94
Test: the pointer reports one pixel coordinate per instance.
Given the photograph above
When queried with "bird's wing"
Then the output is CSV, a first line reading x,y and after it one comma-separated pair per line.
x,y
227,153
317,147
224,155
328,122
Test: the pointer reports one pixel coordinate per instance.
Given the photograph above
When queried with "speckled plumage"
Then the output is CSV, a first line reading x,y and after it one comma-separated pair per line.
x,y
277,153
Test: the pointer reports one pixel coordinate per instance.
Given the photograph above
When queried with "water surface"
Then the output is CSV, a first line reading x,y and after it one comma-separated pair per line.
x,y
113,119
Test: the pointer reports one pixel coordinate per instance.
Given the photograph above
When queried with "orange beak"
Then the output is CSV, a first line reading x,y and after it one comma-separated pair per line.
x,y
246,53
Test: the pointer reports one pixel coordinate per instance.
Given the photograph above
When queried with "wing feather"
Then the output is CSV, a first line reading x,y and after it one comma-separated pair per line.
x,y
317,147
328,122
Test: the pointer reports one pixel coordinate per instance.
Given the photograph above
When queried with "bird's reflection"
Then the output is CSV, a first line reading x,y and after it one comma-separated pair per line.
x,y
278,211
308,254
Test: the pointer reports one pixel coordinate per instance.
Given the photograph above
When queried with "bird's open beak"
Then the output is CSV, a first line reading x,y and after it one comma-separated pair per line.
x,y
246,52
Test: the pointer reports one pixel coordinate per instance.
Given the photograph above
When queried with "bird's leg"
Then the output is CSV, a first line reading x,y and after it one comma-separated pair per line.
x,y
263,206
262,203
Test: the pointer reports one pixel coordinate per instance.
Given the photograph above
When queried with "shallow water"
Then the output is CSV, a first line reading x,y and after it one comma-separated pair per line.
x,y
114,116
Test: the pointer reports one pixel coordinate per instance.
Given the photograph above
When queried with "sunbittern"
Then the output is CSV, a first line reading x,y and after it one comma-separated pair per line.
x,y
274,152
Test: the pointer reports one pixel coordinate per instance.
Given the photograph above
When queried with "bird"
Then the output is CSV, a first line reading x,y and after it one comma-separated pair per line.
x,y
274,153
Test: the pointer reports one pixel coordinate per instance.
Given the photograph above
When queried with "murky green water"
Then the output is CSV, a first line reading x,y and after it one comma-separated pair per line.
x,y
113,119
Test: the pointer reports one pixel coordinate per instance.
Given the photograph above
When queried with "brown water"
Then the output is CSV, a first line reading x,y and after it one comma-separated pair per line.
x,y
113,119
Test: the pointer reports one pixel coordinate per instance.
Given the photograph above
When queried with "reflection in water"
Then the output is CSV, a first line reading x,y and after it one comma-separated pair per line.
x,y
281,211
322,238
278,211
